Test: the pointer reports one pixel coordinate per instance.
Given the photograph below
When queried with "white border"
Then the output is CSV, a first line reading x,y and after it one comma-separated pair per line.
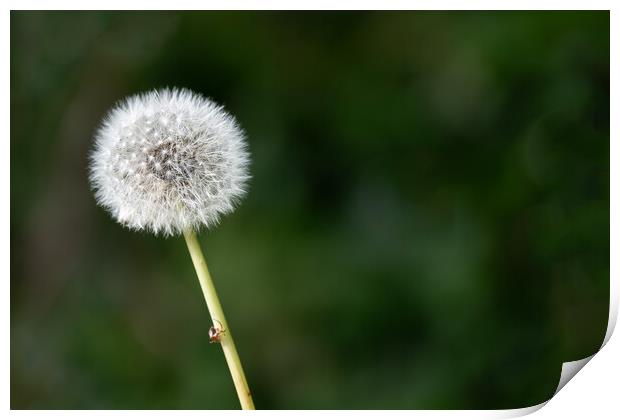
x,y
313,5
594,393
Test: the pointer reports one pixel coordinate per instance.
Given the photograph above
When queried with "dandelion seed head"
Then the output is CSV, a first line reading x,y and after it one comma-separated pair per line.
x,y
167,161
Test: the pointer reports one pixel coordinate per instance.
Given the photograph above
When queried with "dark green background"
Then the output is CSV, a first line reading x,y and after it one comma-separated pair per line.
x,y
427,225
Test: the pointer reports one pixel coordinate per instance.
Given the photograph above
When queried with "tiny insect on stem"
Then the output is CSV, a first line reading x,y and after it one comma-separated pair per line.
x,y
215,333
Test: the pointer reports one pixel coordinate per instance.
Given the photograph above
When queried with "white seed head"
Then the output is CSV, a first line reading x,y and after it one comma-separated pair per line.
x,y
167,161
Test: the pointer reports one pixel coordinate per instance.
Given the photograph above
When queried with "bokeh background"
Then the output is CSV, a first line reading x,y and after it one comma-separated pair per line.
x,y
427,225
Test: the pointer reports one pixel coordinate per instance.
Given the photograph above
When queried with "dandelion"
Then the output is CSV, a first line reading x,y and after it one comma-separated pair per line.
x,y
169,161
172,162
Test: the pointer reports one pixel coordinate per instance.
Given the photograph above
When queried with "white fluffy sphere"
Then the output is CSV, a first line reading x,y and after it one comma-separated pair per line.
x,y
167,161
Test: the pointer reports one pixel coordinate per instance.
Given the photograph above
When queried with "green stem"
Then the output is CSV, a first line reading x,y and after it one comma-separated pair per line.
x,y
219,320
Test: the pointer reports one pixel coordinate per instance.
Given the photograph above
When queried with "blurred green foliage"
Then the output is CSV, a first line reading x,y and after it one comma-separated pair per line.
x,y
427,224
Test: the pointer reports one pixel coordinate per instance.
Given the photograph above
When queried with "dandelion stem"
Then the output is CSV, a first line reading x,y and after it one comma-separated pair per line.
x,y
217,315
